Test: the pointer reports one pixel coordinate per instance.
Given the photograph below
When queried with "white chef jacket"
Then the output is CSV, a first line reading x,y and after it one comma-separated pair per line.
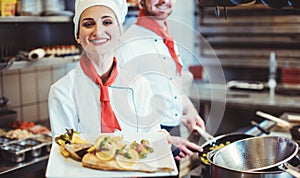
x,y
144,52
74,103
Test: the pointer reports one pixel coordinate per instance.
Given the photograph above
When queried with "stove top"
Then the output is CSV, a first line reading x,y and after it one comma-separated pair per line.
x,y
202,171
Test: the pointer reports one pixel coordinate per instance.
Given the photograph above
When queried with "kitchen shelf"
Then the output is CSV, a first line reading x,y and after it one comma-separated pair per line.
x,y
37,19
50,61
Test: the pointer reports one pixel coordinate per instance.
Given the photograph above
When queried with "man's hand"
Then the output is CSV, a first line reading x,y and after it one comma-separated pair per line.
x,y
191,119
186,148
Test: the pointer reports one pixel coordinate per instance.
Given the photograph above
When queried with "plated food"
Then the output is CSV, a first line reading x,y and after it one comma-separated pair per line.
x,y
109,152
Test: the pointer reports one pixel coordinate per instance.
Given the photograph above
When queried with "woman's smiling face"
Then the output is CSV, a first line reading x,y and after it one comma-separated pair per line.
x,y
99,31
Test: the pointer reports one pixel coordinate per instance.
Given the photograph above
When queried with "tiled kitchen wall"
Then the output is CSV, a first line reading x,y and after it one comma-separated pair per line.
x,y
27,90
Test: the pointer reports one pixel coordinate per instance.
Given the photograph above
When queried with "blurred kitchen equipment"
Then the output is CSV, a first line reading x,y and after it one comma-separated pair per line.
x,y
294,3
243,2
290,75
225,3
272,73
280,122
295,132
36,54
287,89
276,4
246,85
258,153
218,171
54,5
294,129
217,4
70,5
6,116
263,130
3,103
291,117
6,52
57,8
29,7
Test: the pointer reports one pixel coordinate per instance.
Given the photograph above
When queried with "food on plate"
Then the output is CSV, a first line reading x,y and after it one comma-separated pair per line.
x,y
70,136
76,151
109,152
90,160
143,148
128,159
72,145
112,149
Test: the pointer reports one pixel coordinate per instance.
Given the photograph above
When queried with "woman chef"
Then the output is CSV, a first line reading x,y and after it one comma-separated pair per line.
x,y
96,96
85,98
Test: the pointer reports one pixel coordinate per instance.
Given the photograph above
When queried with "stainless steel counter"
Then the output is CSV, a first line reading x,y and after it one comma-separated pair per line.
x,y
28,168
207,93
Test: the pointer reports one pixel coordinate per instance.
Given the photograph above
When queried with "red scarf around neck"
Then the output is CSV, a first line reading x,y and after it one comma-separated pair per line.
x,y
109,121
152,25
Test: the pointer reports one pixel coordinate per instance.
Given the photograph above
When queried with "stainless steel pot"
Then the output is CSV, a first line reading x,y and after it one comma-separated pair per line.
x,y
218,171
255,157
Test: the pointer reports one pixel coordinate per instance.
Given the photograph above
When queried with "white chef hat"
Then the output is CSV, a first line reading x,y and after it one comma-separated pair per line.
x,y
119,7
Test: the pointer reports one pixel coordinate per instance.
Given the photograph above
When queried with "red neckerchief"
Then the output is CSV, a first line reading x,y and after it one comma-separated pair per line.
x,y
109,121
152,25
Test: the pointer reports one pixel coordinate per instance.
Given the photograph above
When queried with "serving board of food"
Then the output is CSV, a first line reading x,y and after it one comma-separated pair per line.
x,y
111,155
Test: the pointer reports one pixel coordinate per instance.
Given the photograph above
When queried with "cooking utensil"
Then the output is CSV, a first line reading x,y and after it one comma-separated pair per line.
x,y
211,140
294,129
258,153
216,142
280,122
263,130
217,171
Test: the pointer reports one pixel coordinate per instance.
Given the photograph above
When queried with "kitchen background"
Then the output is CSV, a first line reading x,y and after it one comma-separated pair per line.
x,y
25,85
242,38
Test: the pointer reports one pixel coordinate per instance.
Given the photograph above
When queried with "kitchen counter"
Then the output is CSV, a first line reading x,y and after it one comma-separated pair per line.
x,y
256,100
27,169
226,110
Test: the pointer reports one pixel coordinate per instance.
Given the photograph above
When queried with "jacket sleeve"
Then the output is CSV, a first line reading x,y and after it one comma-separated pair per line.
x,y
61,110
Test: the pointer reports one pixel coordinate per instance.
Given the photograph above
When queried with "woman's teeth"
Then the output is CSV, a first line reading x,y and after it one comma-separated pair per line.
x,y
99,40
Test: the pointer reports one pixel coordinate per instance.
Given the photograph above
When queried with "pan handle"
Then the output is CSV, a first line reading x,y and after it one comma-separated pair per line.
x,y
265,131
203,133
290,169
279,121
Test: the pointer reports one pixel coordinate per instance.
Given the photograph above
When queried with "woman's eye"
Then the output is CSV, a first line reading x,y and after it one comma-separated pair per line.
x,y
107,22
88,24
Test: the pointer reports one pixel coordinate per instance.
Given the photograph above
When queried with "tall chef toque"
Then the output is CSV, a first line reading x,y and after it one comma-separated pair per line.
x,y
119,7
